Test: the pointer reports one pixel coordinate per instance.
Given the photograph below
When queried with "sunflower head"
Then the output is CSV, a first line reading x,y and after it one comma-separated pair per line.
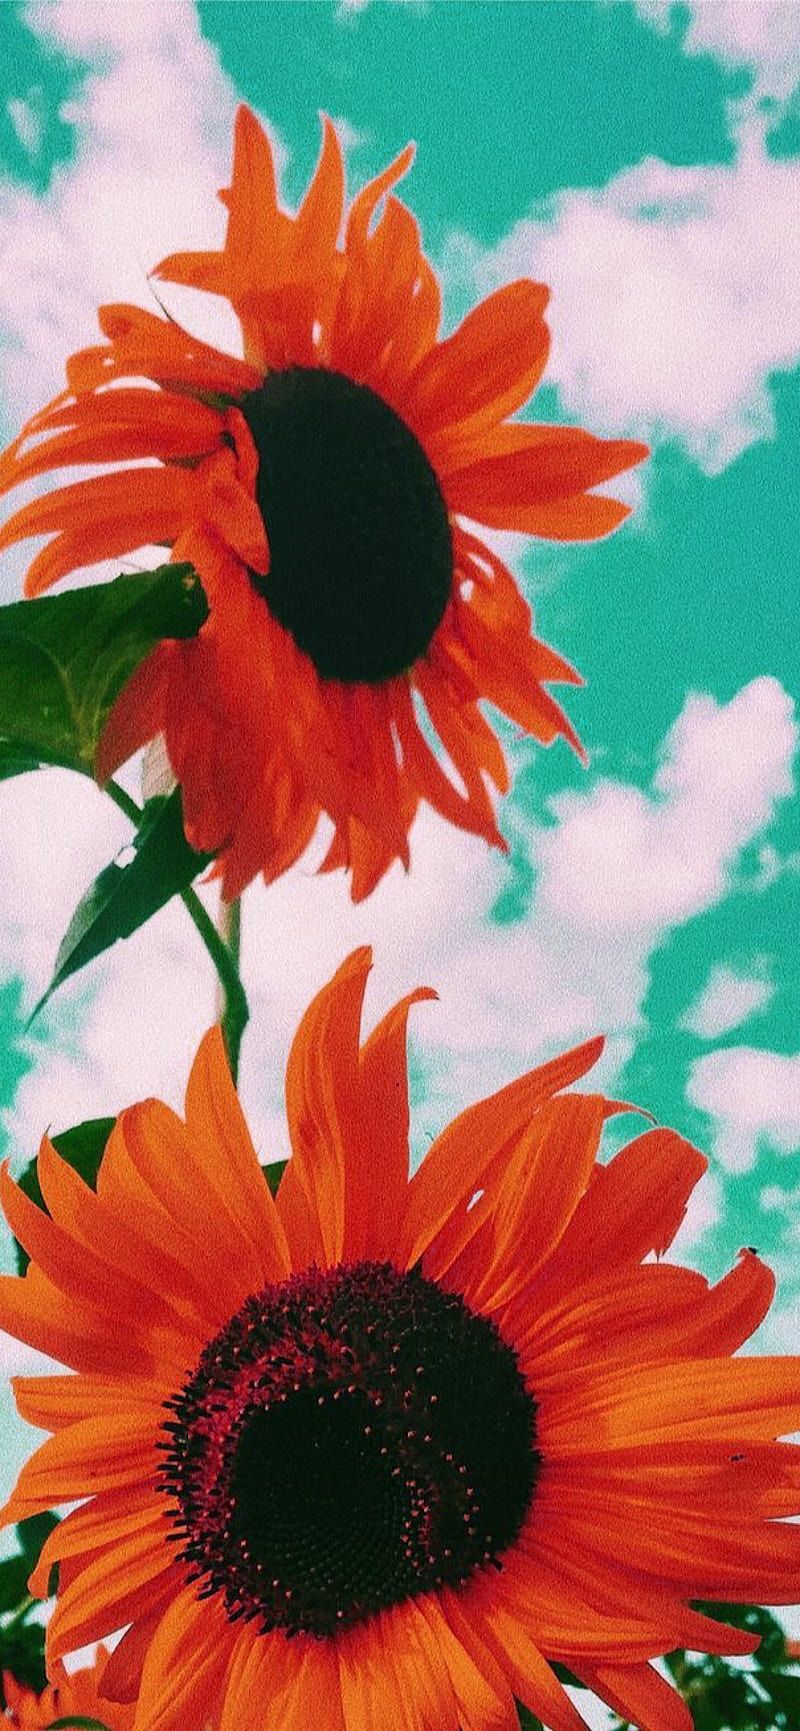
x,y
331,486
382,1449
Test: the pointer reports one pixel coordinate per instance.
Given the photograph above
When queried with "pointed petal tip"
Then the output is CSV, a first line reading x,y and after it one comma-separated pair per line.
x,y
358,961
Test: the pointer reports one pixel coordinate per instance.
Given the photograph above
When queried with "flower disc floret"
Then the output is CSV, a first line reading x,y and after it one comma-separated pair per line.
x,y
350,1439
361,557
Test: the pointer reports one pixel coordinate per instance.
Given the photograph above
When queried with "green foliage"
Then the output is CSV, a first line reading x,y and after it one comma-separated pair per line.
x,y
22,1653
274,1173
723,1697
63,661
32,1533
65,658
124,896
22,1641
14,1572
83,1148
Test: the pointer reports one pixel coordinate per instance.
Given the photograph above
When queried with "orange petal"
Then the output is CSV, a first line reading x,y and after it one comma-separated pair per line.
x,y
484,371
161,1154
364,206
480,1686
530,1676
638,1693
468,813
534,472
106,1607
184,1669
98,1523
142,344
223,1150
383,1091
321,1183
702,1399
79,1335
122,1673
642,1314
296,1680
634,1205
120,1214
51,1402
138,713
75,1268
114,427
391,1676
543,1183
320,214
454,1166
97,1454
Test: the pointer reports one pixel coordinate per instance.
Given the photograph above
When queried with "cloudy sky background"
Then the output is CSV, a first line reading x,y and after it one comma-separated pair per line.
x,y
643,160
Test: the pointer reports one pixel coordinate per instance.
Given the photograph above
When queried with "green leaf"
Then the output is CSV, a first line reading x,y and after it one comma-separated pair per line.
x,y
14,1572
566,1676
22,1653
16,760
123,897
75,1719
32,1533
82,1147
65,658
528,1720
274,1173
785,1692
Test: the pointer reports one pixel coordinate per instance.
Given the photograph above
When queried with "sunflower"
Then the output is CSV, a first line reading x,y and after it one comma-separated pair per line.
x,y
371,1451
325,487
74,1695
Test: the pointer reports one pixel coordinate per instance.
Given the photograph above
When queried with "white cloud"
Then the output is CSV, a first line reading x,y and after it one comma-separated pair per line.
x,y
761,35
26,121
728,999
622,861
703,1211
152,126
675,296
752,1096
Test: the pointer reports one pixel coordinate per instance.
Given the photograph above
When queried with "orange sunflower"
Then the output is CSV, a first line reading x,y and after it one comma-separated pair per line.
x,y
373,1452
74,1695
324,489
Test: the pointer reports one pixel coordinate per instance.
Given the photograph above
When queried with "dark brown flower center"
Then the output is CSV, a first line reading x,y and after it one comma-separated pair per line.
x,y
351,1438
361,557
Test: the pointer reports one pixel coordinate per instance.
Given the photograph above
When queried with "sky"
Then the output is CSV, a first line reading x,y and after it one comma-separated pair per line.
x,y
643,159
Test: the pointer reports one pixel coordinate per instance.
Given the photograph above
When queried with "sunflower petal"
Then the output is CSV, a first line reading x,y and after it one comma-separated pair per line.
x,y
455,1163
639,1694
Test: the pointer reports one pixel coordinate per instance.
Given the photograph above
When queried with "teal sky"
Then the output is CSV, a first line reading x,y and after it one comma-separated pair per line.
x,y
669,138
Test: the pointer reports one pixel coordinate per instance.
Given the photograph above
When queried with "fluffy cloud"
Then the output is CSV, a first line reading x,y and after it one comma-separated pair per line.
x,y
676,293
762,35
155,97
621,861
728,999
752,1097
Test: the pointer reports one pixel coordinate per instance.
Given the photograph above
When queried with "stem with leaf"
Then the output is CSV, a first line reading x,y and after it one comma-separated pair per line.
x,y
222,945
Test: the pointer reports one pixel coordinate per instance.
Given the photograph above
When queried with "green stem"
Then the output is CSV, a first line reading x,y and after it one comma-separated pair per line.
x,y
235,1011
20,1613
222,946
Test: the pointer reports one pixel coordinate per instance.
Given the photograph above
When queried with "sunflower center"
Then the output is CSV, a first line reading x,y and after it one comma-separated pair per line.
x,y
361,557
352,1438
